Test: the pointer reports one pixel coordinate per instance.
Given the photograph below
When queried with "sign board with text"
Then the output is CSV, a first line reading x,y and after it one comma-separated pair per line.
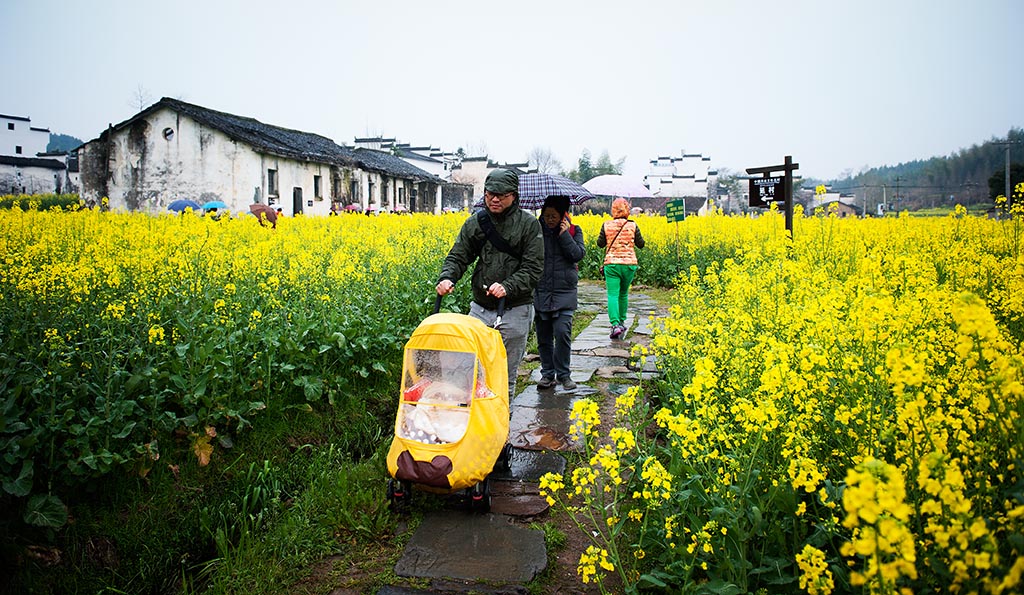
x,y
764,191
675,210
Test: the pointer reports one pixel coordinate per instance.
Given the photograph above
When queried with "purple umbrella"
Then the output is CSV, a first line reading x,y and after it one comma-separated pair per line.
x,y
534,188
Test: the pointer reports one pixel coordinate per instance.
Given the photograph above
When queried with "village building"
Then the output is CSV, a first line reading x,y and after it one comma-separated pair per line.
x,y
474,170
455,196
25,166
177,150
687,175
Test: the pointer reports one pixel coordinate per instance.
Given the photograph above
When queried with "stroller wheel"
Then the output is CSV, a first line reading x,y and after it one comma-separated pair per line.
x,y
399,494
504,458
480,497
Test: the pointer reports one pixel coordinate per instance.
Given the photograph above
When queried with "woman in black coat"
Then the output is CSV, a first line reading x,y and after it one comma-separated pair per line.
x,y
554,300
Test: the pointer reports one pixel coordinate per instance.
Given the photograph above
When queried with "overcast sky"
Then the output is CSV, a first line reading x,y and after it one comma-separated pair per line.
x,y
836,84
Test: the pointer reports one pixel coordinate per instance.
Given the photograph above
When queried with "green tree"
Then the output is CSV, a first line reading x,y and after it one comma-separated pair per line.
x,y
62,142
997,182
586,169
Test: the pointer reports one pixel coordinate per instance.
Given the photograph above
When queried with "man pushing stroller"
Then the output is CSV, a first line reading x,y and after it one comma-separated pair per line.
x,y
510,246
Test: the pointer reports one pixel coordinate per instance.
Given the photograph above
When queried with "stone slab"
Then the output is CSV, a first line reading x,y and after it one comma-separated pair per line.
x,y
464,546
612,372
551,398
578,374
517,498
609,352
541,429
528,466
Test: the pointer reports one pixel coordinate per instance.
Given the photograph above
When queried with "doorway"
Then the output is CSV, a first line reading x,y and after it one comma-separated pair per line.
x,y
296,200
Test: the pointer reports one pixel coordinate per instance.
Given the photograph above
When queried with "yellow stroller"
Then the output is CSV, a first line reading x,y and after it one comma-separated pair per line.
x,y
452,420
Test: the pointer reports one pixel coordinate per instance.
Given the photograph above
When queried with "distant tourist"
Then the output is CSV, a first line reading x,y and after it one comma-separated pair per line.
x,y
619,237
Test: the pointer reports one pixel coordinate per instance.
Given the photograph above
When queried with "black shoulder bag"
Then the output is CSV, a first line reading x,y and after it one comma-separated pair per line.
x,y
491,235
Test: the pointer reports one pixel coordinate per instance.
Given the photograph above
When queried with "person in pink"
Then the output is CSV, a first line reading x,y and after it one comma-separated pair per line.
x,y
619,237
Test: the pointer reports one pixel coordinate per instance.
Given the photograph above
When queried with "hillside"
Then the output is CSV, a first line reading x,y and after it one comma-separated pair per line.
x,y
960,178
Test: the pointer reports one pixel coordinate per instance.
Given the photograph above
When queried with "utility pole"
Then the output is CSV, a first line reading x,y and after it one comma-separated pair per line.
x,y
1007,195
1006,145
897,195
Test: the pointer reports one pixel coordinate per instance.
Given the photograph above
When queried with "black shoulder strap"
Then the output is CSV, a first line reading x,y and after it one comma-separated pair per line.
x,y
491,235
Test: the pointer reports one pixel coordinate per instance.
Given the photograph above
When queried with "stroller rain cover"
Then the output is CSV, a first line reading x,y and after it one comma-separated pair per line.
x,y
452,419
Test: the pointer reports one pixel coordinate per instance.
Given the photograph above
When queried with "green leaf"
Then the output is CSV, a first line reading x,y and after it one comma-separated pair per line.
x,y
127,430
23,485
45,510
379,367
721,587
652,579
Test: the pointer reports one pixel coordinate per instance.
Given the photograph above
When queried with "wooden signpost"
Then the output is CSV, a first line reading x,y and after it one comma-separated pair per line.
x,y
773,189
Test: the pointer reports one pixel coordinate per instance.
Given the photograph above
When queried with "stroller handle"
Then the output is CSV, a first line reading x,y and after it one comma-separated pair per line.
x,y
497,322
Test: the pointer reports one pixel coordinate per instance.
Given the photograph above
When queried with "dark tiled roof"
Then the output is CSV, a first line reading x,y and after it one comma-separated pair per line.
x,y
38,129
31,162
413,155
380,161
285,142
22,118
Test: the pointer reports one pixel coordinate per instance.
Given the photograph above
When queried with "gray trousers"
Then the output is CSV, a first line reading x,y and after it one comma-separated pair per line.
x,y
514,329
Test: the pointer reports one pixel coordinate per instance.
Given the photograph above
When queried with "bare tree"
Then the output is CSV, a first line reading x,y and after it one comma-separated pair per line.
x,y
477,149
544,160
141,98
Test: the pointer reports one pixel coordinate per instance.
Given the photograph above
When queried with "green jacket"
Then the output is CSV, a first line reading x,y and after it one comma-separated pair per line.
x,y
519,277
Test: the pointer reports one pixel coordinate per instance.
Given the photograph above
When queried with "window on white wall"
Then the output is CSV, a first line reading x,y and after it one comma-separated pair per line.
x,y
17,149
10,125
271,182
316,187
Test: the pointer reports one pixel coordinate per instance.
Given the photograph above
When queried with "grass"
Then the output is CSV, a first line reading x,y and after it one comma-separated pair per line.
x,y
299,501
300,486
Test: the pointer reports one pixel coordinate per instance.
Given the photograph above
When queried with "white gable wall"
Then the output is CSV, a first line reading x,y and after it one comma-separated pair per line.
x,y
16,131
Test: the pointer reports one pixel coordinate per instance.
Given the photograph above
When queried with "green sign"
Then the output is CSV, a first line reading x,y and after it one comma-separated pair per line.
x,y
675,210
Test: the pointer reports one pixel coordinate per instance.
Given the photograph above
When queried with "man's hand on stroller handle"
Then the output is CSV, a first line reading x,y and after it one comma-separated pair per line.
x,y
497,290
445,286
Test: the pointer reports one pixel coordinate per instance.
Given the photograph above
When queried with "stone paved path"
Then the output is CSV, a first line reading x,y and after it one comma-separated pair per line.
x,y
490,553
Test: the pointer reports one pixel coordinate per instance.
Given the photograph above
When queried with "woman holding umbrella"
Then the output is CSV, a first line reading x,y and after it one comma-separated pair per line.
x,y
554,300
619,237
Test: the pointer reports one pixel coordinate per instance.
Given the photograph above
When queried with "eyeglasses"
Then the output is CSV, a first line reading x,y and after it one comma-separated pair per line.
x,y
488,195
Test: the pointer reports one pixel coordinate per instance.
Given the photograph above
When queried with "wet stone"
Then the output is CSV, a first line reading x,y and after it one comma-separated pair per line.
x,y
644,326
517,498
463,546
541,429
617,352
556,398
578,375
612,371
527,466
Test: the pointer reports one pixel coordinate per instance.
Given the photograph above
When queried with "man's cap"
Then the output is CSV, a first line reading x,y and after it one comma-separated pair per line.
x,y
502,181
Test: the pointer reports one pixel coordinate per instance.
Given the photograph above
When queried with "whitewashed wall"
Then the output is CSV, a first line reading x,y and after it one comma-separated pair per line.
x,y
203,164
30,140
31,180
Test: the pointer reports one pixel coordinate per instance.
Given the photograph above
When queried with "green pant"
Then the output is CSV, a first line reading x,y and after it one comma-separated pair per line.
x,y
617,278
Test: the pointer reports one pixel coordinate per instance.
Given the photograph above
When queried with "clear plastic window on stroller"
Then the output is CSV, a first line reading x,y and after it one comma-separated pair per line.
x,y
436,389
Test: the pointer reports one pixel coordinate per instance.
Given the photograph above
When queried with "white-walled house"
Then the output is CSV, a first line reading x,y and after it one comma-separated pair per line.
x,y
175,149
32,175
474,170
686,175
18,138
25,166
